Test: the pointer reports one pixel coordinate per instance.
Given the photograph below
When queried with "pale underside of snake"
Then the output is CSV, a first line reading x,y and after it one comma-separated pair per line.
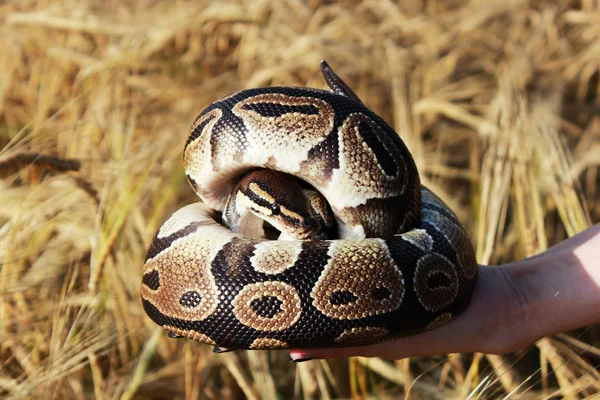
x,y
366,253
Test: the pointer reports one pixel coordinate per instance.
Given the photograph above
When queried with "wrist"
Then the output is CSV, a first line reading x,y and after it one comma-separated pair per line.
x,y
556,291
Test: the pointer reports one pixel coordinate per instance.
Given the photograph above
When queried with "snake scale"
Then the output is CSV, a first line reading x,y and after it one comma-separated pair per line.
x,y
398,262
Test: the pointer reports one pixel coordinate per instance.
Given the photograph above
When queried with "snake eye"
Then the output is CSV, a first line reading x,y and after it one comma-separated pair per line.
x,y
190,299
340,297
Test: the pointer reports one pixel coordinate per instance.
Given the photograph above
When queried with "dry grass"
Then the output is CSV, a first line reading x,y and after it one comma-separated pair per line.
x,y
498,100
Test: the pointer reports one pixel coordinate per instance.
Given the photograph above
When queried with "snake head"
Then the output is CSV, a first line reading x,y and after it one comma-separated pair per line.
x,y
280,200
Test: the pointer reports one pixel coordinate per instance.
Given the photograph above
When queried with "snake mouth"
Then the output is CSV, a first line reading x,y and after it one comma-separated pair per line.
x,y
271,233
324,233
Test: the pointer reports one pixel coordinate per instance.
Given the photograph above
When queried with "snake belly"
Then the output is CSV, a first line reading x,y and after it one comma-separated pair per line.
x,y
403,263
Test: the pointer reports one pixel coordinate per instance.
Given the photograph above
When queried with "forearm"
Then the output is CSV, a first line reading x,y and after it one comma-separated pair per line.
x,y
558,290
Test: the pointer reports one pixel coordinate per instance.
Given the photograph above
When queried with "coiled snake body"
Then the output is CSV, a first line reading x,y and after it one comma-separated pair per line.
x,y
401,263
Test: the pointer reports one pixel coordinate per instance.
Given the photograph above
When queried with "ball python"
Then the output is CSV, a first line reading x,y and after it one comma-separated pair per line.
x,y
366,253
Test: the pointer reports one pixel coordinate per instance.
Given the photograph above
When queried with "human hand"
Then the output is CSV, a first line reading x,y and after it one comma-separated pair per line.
x,y
513,306
484,326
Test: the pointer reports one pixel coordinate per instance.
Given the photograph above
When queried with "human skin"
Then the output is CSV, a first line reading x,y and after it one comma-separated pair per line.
x,y
513,306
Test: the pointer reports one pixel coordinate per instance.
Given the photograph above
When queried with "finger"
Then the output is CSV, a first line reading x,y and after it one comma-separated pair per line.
x,y
343,352
446,339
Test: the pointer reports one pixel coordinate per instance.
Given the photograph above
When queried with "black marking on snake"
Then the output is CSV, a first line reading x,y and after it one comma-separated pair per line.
x,y
381,293
232,127
261,201
256,210
233,260
272,109
404,254
190,299
328,153
152,279
375,142
396,144
197,132
340,297
160,244
441,243
266,306
438,281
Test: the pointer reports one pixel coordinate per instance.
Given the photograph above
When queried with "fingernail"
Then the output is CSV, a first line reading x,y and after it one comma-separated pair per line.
x,y
299,360
219,350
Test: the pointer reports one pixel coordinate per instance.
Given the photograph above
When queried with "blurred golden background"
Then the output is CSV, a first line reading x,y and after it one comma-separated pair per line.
x,y
499,102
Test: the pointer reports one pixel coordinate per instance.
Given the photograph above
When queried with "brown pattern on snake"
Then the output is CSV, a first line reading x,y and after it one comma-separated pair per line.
x,y
436,282
275,257
376,286
201,123
267,306
268,343
375,218
272,119
190,334
357,336
363,171
183,270
420,238
439,321
234,255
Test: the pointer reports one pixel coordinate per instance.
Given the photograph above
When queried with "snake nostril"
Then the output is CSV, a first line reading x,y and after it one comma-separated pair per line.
x,y
438,280
266,306
340,297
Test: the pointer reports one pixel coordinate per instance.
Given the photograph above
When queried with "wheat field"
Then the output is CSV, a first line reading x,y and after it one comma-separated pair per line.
x,y
498,101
